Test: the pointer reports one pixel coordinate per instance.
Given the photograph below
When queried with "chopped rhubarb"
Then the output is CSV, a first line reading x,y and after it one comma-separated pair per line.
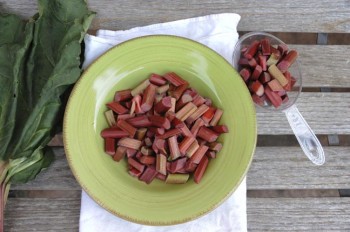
x,y
134,172
110,146
159,146
160,121
251,50
215,146
140,88
273,59
216,118
141,133
211,154
161,177
125,116
199,154
220,129
200,170
275,85
148,98
178,91
148,175
192,149
174,79
283,48
122,95
186,111
109,115
177,178
136,105
207,134
113,133
116,107
170,133
157,79
198,113
262,62
264,77
162,89
277,74
135,164
130,143
130,152
140,121
208,102
147,160
161,164
122,124
184,99
258,100
287,61
208,115
274,98
252,63
190,166
257,88
243,62
146,151
173,105
197,124
163,105
178,165
185,144
157,130
198,100
256,73
265,47
174,148
119,154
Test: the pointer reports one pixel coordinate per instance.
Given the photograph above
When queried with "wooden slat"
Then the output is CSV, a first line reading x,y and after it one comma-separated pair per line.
x,y
301,214
324,66
326,113
288,168
272,168
42,214
296,16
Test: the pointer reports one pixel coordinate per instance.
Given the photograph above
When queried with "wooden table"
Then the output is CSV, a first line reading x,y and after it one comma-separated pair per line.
x,y
285,191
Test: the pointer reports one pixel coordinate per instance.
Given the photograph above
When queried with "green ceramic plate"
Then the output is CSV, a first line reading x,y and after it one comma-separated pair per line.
x,y
108,182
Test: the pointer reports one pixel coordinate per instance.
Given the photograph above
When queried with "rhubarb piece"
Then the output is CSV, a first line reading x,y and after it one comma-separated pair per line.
x,y
243,62
147,160
207,134
125,116
140,121
148,175
185,131
277,74
162,89
185,144
220,129
122,124
157,79
273,59
116,107
198,100
275,85
173,105
273,97
199,154
216,118
208,102
135,164
208,115
122,95
119,154
211,154
256,73
197,124
196,114
161,164
136,105
127,104
146,151
148,142
186,111
141,133
113,133
130,143
157,130
170,115
130,152
177,178
257,88
192,149
175,79
265,47
264,77
258,100
148,98
287,61
161,177
169,133
177,93
174,148
140,88
252,63
163,105
215,146
160,121
200,170
158,146
109,115
245,74
134,172
262,62
251,50
185,98
110,146
288,86
283,48
275,52
190,166
178,165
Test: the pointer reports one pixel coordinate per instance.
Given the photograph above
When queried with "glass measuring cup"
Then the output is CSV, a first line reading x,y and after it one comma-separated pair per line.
x,y
305,136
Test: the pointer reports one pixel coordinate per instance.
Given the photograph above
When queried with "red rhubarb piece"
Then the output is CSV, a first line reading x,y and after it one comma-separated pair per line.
x,y
257,88
211,154
199,154
163,105
273,97
287,61
116,107
178,165
174,79
178,91
208,115
160,121
197,124
258,100
122,95
113,133
245,74
169,133
119,154
283,48
134,172
251,50
157,79
140,121
207,134
265,47
122,124
185,144
262,62
148,98
200,170
220,129
161,164
275,85
256,73
252,63
264,77
135,164
110,146
148,175
147,159
174,148
243,62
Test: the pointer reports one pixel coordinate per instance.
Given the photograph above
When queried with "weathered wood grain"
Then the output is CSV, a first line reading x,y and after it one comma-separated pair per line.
x,y
264,214
42,214
272,168
291,16
301,214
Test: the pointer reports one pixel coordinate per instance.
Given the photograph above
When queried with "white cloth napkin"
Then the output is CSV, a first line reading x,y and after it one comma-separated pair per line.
x,y
217,32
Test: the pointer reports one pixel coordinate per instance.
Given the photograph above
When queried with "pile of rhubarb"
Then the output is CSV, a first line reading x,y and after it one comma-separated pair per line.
x,y
264,68
164,128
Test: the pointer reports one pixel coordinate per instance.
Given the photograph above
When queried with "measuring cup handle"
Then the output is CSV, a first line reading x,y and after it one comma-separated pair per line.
x,y
305,136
